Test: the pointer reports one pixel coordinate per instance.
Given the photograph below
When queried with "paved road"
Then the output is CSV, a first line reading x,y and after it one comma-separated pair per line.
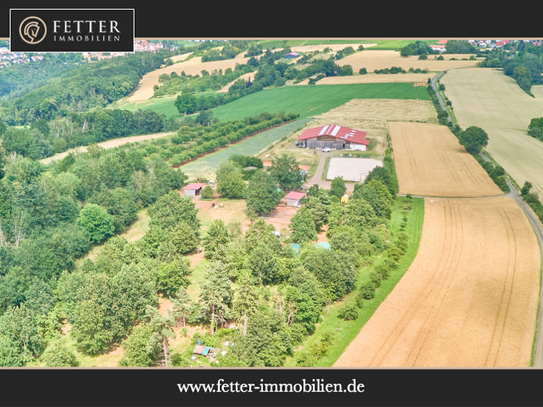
x,y
434,80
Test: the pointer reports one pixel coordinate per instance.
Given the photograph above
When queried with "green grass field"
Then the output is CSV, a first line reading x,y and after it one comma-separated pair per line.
x,y
250,146
160,105
314,100
344,332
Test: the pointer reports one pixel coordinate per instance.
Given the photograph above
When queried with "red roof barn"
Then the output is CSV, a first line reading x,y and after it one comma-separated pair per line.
x,y
293,198
334,136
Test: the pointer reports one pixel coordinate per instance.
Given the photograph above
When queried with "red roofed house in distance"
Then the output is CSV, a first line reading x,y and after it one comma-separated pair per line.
x,y
334,136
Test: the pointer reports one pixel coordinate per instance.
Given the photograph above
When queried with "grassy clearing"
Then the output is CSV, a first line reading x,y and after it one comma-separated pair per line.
x,y
139,228
159,105
250,146
345,331
314,100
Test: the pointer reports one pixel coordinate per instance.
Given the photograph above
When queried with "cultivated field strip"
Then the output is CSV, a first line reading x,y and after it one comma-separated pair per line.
x,y
380,59
488,99
430,161
468,300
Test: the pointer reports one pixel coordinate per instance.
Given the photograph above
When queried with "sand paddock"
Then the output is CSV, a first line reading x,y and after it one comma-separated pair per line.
x,y
351,169
430,161
469,299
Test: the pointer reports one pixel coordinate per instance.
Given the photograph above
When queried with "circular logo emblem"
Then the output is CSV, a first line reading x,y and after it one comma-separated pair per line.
x,y
32,30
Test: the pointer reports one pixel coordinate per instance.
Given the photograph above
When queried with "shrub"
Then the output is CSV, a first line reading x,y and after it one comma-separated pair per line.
x,y
423,56
349,312
367,291
440,58
207,193
360,300
363,71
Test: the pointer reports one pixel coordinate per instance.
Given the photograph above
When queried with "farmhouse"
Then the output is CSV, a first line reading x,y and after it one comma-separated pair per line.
x,y
293,198
193,189
334,136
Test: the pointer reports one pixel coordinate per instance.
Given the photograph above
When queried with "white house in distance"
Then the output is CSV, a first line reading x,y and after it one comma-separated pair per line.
x,y
334,136
293,198
193,189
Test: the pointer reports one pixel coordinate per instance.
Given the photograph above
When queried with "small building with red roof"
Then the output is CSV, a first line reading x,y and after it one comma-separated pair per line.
x,y
334,136
193,189
293,198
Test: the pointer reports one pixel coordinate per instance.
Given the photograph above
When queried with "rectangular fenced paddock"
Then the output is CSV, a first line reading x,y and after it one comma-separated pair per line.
x,y
351,169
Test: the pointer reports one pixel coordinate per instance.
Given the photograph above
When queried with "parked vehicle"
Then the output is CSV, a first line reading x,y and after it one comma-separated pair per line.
x,y
326,149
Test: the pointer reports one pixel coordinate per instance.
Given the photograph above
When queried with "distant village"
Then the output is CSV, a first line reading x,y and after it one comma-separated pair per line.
x,y
7,57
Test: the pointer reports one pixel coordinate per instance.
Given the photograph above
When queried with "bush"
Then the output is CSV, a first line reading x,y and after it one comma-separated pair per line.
x,y
367,291
207,193
360,300
363,71
349,312
440,58
423,56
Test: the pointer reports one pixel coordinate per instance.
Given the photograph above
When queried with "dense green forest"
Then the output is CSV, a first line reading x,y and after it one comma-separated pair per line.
x,y
81,88
14,78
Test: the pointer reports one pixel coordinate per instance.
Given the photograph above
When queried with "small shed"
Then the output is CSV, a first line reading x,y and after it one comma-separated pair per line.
x,y
293,198
193,189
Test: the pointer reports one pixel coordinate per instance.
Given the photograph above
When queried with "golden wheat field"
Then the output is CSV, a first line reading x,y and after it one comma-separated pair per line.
x,y
379,59
421,78
488,99
470,297
430,161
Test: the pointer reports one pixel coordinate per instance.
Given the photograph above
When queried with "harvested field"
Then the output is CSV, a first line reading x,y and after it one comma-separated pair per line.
x,y
179,58
421,78
377,59
106,145
193,66
470,297
488,99
351,169
430,161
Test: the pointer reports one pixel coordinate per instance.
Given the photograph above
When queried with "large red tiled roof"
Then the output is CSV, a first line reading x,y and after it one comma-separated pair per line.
x,y
333,130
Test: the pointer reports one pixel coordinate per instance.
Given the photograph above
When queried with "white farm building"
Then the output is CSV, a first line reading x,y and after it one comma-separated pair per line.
x,y
334,136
